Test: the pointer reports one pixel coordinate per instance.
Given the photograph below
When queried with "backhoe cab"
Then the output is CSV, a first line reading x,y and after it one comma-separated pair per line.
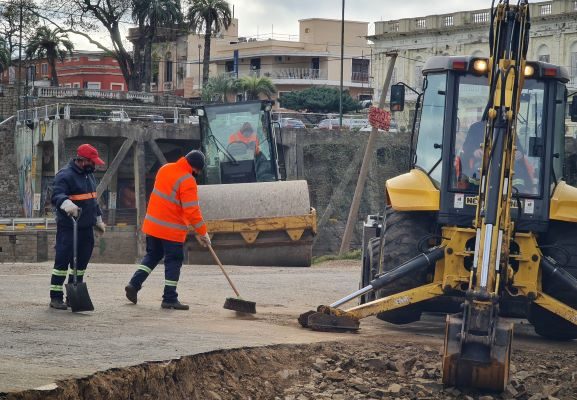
x,y
483,225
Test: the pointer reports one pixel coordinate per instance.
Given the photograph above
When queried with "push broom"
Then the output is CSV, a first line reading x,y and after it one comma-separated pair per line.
x,y
234,303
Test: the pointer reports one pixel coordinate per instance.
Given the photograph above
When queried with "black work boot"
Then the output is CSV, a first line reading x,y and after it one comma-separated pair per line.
x,y
58,304
177,305
131,293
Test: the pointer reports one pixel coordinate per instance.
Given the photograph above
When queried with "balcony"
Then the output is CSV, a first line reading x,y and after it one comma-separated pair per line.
x,y
299,73
360,77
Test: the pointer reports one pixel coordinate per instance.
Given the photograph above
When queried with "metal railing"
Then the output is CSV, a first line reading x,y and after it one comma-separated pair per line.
x,y
299,73
7,120
14,224
360,77
105,113
62,92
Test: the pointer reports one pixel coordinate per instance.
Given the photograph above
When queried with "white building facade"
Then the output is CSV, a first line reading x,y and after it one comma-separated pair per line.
x,y
553,38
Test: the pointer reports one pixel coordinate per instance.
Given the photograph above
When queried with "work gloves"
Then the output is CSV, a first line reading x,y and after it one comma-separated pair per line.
x,y
70,208
100,226
204,240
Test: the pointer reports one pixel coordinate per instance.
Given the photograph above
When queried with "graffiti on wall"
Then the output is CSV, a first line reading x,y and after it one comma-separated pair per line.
x,y
25,185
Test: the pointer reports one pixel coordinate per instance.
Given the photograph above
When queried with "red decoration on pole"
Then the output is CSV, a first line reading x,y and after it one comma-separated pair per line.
x,y
379,118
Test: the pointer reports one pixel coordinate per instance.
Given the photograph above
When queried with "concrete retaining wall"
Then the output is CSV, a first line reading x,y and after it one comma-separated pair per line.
x,y
118,245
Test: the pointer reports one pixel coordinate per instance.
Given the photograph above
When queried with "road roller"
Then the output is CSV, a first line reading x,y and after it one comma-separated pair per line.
x,y
483,226
253,214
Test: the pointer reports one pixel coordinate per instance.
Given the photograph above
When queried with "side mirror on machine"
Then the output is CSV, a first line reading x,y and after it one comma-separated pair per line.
x,y
397,98
573,109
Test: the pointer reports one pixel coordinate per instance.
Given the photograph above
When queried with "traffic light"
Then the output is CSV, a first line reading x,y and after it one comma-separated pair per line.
x,y
397,98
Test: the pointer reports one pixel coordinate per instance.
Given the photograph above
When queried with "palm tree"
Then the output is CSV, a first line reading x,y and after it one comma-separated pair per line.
x,y
151,15
254,86
4,56
49,44
219,88
213,16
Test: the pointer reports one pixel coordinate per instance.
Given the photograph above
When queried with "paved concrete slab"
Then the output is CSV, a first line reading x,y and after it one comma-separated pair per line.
x,y
39,345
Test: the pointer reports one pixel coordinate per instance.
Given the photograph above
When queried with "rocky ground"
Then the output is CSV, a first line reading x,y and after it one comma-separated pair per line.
x,y
373,369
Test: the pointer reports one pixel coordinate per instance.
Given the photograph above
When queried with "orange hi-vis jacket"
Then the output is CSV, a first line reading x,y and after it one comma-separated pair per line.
x,y
173,204
239,137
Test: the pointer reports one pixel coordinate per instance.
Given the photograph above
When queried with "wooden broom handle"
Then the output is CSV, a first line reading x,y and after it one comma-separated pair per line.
x,y
222,269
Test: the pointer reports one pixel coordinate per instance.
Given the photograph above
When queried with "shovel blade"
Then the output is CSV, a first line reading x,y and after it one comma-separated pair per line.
x,y
78,297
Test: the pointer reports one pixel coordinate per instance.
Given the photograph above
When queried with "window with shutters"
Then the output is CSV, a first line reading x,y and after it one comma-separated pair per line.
x,y
545,9
418,79
574,67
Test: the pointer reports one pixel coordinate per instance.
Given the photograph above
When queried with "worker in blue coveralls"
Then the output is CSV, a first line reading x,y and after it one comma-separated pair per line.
x,y
74,196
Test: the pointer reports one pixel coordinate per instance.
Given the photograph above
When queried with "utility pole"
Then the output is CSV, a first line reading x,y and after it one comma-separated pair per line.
x,y
342,57
354,211
20,58
199,77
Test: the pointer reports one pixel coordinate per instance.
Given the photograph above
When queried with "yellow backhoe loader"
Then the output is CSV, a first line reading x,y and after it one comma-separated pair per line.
x,y
253,215
483,226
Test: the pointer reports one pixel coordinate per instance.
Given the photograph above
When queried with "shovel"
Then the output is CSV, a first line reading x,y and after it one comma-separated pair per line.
x,y
77,292
234,303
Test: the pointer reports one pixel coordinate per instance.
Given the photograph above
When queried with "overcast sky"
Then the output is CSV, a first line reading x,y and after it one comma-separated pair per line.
x,y
261,15
281,16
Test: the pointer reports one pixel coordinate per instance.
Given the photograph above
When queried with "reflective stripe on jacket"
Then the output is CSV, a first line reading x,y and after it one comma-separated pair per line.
x,y
173,204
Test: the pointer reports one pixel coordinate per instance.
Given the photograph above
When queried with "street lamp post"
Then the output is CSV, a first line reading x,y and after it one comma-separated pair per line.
x,y
199,77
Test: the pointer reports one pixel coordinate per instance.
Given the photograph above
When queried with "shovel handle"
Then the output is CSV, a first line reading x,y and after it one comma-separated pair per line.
x,y
75,245
222,269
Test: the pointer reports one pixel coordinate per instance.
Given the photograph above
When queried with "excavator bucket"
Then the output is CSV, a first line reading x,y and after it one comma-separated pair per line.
x,y
482,363
329,319
262,223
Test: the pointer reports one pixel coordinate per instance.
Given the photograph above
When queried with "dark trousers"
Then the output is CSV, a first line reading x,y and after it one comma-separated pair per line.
x,y
173,254
63,258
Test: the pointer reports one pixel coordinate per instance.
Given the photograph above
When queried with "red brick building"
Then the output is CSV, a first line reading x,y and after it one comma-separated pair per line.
x,y
84,69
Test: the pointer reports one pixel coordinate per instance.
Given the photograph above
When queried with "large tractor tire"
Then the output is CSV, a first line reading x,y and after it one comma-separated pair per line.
x,y
370,267
547,324
402,233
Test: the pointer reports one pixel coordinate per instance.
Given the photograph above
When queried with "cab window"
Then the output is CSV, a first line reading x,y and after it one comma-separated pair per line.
x,y
428,153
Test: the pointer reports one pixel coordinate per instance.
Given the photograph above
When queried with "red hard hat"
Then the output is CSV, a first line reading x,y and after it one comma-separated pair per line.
x,y
89,152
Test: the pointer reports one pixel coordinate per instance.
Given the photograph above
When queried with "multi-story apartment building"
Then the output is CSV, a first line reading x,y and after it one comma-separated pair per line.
x,y
82,69
292,64
553,39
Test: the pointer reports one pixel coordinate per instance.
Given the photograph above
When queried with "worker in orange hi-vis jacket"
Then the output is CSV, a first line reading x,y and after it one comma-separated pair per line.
x,y
247,136
172,209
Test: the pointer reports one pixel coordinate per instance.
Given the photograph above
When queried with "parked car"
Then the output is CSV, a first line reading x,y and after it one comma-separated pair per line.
x,y
349,123
392,129
356,122
329,123
155,119
292,123
119,116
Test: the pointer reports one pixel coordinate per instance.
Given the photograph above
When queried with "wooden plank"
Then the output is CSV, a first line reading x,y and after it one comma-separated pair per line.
x,y
157,152
114,165
140,193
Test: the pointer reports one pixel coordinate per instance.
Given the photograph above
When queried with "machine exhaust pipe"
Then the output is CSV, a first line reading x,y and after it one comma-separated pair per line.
x,y
421,261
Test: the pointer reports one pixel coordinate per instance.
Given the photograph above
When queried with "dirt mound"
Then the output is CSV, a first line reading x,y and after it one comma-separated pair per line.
x,y
374,369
